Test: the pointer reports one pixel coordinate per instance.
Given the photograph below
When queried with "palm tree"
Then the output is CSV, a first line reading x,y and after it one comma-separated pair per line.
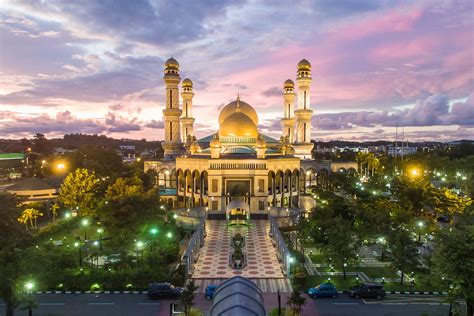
x,y
28,216
187,297
296,302
54,210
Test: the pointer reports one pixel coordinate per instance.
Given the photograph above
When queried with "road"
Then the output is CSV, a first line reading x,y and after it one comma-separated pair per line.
x,y
138,304
406,305
95,304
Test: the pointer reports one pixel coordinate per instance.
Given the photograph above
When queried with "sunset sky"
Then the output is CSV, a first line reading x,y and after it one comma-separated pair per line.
x,y
97,66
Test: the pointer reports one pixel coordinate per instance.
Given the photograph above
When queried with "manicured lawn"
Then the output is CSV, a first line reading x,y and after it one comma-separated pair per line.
x,y
376,272
318,258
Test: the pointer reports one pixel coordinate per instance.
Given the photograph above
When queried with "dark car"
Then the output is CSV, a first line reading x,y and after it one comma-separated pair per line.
x,y
210,290
368,290
163,290
323,290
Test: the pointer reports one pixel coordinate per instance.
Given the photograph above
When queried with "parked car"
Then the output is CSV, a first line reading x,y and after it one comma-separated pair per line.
x,y
368,290
163,290
323,290
444,219
210,290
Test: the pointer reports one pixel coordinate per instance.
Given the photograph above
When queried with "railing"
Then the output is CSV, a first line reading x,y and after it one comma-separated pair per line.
x,y
192,250
245,166
282,250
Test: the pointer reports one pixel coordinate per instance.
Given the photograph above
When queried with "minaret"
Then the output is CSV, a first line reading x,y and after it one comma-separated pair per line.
x,y
288,120
172,145
303,145
187,119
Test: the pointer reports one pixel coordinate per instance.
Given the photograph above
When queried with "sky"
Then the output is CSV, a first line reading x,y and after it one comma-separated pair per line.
x,y
97,66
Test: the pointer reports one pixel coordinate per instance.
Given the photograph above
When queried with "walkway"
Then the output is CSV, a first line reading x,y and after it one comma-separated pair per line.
x,y
213,259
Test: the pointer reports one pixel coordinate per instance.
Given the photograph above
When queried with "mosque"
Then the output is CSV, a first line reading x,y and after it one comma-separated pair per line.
x,y
239,165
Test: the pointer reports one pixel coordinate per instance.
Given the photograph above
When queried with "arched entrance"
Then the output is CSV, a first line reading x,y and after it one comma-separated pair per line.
x,y
237,213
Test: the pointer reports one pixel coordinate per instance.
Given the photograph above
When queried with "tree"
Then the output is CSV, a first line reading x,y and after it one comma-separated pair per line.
x,y
187,297
54,210
29,215
13,239
452,258
404,253
105,162
296,302
79,190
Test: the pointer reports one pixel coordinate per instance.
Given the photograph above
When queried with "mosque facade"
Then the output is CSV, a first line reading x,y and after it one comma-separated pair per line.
x,y
238,162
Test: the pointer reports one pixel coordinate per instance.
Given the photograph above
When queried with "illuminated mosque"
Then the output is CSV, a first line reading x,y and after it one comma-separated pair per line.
x,y
238,165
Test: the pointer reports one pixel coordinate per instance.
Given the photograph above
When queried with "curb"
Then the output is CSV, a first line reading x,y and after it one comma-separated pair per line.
x,y
92,292
407,293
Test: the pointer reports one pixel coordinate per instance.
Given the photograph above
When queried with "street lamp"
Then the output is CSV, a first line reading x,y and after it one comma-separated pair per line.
x,y
169,235
381,240
29,286
77,244
100,231
85,223
420,225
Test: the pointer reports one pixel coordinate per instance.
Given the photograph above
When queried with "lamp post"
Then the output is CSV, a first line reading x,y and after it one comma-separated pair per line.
x,y
67,217
29,286
291,260
100,231
382,241
85,223
78,245
153,232
420,225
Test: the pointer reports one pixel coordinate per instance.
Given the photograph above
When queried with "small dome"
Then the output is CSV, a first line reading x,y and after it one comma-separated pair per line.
x,y
238,125
187,83
289,84
290,150
304,64
215,142
239,106
172,63
195,147
261,143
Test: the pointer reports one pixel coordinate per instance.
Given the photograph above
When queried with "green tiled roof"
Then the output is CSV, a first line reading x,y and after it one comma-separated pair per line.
x,y
12,156
208,139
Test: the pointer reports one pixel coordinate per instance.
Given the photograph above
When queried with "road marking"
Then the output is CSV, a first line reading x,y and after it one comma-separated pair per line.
x,y
346,303
101,303
51,304
393,303
148,303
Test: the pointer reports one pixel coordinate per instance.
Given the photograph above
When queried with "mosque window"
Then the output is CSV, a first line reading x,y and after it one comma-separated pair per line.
x,y
214,185
261,185
304,103
261,205
171,98
214,205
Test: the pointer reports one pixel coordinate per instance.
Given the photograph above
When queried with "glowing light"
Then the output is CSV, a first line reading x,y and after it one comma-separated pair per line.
x,y
29,286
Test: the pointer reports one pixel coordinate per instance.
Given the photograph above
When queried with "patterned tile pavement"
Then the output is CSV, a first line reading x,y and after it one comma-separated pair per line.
x,y
212,266
266,285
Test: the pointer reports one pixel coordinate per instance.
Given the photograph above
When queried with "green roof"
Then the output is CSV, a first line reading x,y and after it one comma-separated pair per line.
x,y
208,139
12,156
30,184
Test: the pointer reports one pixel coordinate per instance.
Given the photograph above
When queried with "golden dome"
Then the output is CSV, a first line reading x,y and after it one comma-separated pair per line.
x,y
304,64
215,142
238,124
187,83
172,63
194,148
289,84
243,107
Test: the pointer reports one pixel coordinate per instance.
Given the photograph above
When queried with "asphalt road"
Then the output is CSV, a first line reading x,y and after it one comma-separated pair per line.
x,y
392,305
95,304
138,304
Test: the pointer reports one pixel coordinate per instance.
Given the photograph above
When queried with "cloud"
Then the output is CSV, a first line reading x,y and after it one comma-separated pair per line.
x,y
155,124
273,92
63,122
435,110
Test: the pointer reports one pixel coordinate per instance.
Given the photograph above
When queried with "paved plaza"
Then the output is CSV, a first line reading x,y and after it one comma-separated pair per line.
x,y
262,263
213,260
